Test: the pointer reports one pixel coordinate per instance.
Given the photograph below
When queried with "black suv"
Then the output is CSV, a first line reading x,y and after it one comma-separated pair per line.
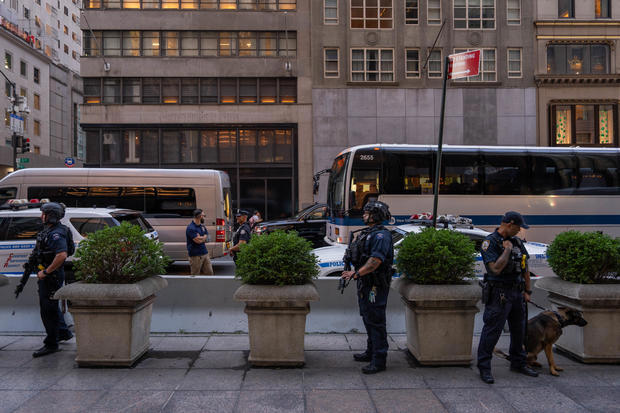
x,y
309,223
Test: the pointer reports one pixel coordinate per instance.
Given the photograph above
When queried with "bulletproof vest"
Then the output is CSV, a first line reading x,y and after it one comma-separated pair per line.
x,y
359,251
44,255
237,233
516,265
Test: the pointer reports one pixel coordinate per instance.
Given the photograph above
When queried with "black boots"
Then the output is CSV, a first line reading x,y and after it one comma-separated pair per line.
x,y
362,356
44,351
487,377
373,368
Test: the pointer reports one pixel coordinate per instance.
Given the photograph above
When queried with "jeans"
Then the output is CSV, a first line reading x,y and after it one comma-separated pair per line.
x,y
373,316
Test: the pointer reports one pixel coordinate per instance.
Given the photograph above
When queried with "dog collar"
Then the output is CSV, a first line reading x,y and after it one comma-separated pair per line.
x,y
561,319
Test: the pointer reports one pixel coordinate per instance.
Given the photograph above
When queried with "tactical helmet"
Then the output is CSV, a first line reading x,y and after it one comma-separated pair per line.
x,y
378,210
54,212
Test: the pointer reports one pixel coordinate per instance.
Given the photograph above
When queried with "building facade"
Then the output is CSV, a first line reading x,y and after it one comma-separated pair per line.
x,y
222,84
577,72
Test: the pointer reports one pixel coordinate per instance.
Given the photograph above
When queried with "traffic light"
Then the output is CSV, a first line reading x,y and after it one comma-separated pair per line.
x,y
25,145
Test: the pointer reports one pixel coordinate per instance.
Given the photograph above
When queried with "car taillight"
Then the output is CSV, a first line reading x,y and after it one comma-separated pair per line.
x,y
220,230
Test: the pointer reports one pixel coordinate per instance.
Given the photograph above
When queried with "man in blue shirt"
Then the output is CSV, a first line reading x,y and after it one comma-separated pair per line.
x,y
196,236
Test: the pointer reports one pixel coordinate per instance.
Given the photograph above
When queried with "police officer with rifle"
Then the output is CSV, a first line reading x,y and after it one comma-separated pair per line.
x,y
372,255
506,289
47,259
243,233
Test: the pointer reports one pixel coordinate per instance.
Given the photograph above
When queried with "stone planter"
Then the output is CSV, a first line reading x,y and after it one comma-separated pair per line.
x,y
112,321
599,341
4,280
277,322
439,321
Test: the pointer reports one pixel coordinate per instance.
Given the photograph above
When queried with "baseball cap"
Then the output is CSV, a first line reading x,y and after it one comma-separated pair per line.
x,y
514,217
240,212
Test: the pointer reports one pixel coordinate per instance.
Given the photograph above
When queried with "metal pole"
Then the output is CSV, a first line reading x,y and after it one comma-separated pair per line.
x,y
440,143
14,112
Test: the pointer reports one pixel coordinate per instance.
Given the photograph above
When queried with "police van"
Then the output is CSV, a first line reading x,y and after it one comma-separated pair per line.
x,y
21,222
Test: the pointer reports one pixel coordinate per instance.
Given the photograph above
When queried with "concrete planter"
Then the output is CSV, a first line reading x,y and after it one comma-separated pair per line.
x,y
439,321
4,280
599,341
277,322
112,321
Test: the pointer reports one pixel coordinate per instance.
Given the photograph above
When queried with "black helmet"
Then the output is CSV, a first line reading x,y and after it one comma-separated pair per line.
x,y
54,212
378,210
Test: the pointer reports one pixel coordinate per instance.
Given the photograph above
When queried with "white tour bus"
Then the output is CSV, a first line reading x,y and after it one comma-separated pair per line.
x,y
556,189
166,197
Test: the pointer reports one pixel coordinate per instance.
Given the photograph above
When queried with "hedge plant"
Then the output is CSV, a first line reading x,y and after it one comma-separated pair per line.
x,y
585,257
435,256
277,258
119,255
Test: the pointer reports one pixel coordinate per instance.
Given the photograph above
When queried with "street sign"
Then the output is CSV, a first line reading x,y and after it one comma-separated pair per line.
x,y
69,162
17,123
464,64
23,160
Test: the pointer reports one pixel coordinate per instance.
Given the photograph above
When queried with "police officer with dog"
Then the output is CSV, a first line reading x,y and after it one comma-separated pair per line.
x,y
243,233
506,291
372,255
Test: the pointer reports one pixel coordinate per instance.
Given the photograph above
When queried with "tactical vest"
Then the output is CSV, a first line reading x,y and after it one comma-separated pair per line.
x,y
516,265
359,253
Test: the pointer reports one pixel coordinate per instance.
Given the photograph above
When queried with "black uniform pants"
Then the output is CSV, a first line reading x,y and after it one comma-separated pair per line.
x,y
373,316
52,317
496,313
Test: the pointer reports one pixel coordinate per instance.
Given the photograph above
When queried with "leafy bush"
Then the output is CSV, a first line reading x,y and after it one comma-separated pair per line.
x,y
436,257
278,258
585,257
119,255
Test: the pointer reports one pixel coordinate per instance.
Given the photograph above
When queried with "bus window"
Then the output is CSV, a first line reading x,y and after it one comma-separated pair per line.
x,y
460,174
335,187
407,173
505,174
364,185
6,194
553,174
598,174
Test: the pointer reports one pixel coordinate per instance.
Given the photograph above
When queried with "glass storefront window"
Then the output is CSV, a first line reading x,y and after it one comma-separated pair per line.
x,y
587,125
247,145
265,146
208,146
584,124
150,146
111,150
563,123
606,124
227,144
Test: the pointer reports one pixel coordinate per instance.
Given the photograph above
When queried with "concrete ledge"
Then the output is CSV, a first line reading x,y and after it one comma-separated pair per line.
x,y
593,295
80,291
4,280
436,293
271,293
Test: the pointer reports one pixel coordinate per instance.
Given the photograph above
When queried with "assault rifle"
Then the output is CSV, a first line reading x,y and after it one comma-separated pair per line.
x,y
33,265
342,283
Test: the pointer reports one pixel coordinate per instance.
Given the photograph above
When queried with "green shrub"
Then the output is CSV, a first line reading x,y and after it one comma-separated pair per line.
x,y
436,257
119,255
585,257
278,258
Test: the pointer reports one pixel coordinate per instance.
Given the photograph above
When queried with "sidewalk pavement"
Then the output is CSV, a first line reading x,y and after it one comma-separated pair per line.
x,y
210,373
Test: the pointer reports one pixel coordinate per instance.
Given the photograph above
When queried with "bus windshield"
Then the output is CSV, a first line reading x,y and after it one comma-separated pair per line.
x,y
335,188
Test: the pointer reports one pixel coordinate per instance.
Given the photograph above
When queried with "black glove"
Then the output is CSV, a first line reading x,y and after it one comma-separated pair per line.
x,y
19,289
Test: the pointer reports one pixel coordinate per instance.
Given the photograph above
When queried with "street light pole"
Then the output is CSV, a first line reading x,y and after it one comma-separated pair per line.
x,y
13,112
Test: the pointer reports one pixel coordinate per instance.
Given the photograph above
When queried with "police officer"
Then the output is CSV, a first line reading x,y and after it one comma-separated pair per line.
x,y
53,241
374,253
508,277
243,233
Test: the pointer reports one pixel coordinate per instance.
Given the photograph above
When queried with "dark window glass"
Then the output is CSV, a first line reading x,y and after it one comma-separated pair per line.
x,y
134,219
460,174
151,90
407,173
598,174
247,145
150,146
132,146
92,90
364,187
566,9
131,90
283,145
553,174
86,226
228,90
208,146
170,90
7,193
505,174
577,59
227,143
279,195
111,91
24,228
189,148
265,145
268,90
111,147
602,9
288,90
189,91
170,146
4,226
92,147
208,90
247,90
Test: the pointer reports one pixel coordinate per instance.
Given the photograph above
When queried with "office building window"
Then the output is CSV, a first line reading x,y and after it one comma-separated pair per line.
x,y
170,43
36,104
232,5
112,43
8,61
474,14
411,11
584,125
566,9
23,68
433,12
435,65
331,63
412,63
131,43
65,30
330,11
371,14
247,43
150,43
36,75
488,71
66,49
514,63
372,65
267,44
190,43
513,12
36,128
577,59
131,90
111,90
602,9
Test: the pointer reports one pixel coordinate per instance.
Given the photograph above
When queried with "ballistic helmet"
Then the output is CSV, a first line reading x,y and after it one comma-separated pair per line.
x,y
240,212
54,212
378,211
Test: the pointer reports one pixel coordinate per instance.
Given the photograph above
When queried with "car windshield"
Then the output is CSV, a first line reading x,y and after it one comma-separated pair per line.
x,y
134,219
304,211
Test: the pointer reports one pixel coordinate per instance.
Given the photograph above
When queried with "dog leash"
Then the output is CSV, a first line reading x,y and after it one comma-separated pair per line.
x,y
538,306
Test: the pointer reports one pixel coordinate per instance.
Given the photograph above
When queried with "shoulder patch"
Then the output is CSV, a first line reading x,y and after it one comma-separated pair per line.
x,y
380,235
485,245
56,236
242,232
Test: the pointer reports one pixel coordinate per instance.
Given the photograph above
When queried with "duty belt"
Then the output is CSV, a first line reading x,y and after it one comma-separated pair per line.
x,y
506,284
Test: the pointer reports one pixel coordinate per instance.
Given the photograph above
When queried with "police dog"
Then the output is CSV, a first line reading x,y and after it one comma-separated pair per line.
x,y
544,329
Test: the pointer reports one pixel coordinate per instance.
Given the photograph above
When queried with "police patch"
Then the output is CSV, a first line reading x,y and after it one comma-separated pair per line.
x,y
56,237
485,244
243,232
380,236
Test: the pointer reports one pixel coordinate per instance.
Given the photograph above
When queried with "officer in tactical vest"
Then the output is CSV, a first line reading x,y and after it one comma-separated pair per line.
x,y
53,245
372,255
243,233
506,291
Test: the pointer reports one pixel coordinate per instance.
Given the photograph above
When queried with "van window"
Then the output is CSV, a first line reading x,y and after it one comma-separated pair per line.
x,y
6,194
133,219
87,226
24,228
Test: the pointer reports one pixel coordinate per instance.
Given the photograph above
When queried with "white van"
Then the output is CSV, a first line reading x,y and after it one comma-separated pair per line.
x,y
166,197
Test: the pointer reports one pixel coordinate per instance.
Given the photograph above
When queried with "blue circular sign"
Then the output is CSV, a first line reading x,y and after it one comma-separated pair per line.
x,y
69,162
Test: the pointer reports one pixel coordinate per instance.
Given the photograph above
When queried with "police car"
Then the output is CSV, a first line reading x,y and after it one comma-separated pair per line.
x,y
20,223
331,264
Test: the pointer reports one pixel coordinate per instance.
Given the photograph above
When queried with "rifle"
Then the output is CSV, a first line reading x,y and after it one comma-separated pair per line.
x,y
32,265
342,284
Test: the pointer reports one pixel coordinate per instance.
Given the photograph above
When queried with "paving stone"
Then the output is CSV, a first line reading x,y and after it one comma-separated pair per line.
x,y
31,379
212,379
398,401
318,401
608,374
595,399
333,379
395,378
228,342
400,358
91,379
180,343
506,378
202,402
330,359
59,360
151,379
357,342
60,401
468,400
282,401
451,377
571,376
14,358
544,399
141,401
221,360
26,343
326,342
6,340
273,379
164,363
12,399
400,340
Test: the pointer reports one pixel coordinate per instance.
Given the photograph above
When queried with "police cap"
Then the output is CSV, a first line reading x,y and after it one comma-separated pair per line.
x,y
513,217
240,212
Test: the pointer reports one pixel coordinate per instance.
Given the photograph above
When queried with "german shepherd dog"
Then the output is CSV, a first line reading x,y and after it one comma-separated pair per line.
x,y
544,329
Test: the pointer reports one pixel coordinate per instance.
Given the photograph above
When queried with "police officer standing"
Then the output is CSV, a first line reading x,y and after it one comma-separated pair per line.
x,y
53,244
372,255
508,278
243,233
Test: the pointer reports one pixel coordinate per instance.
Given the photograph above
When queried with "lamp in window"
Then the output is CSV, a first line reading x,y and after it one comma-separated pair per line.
x,y
575,64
